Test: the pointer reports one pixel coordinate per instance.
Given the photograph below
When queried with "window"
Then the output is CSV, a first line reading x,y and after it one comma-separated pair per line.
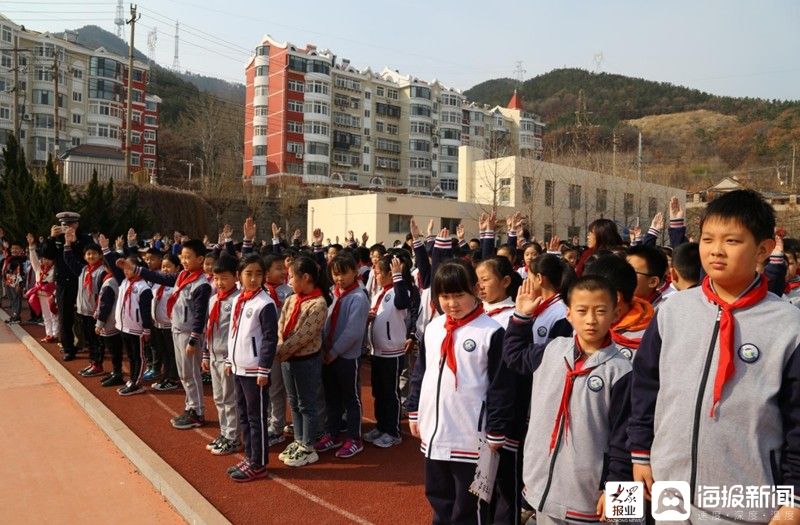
x,y
627,204
450,100
260,111
76,118
574,197
317,86
422,128
504,193
261,91
137,95
259,151
5,112
317,168
399,223
548,232
261,71
419,145
149,163
387,163
652,207
150,120
149,149
259,131
77,96
43,121
527,189
420,92
573,231
601,202
297,64
77,73
294,147
103,89
318,66
6,34
449,151
419,163
392,146
347,83
450,117
346,120
317,148
450,223
392,129
448,184
549,192
5,60
295,105
262,51
294,167
451,134
42,96
318,128
420,110
379,91
138,75
392,94
150,136
387,110
135,159
136,137
136,116
76,141
294,126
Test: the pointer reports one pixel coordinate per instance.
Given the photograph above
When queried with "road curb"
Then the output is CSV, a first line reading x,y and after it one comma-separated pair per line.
x,y
183,497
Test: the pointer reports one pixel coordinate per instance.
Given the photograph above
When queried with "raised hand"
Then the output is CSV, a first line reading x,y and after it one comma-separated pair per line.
x,y
297,234
554,244
444,233
276,231
227,232
31,240
318,236
55,231
70,236
430,227
132,236
351,237
119,243
675,211
396,265
414,228
527,299
460,232
364,238
482,220
205,240
635,233
249,229
103,241
778,250
658,221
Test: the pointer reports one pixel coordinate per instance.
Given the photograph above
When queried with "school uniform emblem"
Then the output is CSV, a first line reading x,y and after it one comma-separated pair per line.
x,y
227,307
749,353
386,299
595,383
542,331
627,352
248,313
470,345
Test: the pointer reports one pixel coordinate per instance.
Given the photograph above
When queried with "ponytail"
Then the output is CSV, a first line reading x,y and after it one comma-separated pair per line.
x,y
304,264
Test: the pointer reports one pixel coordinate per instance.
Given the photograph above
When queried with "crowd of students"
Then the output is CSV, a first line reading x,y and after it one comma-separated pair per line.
x,y
622,360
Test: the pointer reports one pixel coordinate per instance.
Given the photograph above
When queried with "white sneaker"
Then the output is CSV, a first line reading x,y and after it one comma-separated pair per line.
x,y
386,441
372,435
288,451
302,456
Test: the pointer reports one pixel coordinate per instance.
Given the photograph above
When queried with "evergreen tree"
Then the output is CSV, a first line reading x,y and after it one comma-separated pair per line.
x,y
19,193
54,196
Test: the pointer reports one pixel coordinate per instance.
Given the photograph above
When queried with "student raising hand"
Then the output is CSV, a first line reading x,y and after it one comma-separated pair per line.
x,y
527,299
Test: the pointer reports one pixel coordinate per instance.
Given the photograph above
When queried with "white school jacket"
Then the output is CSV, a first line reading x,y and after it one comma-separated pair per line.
x,y
544,321
244,345
86,304
388,329
500,311
159,308
451,422
128,317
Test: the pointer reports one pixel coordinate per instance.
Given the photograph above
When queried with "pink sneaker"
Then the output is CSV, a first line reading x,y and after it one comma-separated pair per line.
x,y
325,443
350,448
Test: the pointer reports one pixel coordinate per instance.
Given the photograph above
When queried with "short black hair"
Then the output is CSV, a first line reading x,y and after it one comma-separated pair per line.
x,y
655,259
195,245
555,269
380,248
454,276
252,258
748,208
273,258
361,254
93,247
225,263
686,261
501,267
617,271
592,283
173,259
343,263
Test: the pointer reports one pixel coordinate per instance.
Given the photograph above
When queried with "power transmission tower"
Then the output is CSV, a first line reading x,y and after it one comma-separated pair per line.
x,y
175,62
598,61
119,18
152,40
129,117
519,72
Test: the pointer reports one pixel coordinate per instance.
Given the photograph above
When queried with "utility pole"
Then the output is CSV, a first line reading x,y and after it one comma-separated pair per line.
x,y
16,87
129,116
639,158
55,106
794,152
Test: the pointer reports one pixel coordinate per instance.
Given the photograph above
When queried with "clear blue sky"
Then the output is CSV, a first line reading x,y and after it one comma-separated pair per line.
x,y
739,48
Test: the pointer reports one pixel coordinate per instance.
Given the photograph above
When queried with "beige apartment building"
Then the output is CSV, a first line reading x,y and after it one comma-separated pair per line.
x,y
559,200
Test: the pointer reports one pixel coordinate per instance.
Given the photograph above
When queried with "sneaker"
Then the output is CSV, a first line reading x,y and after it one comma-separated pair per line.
x,y
189,419
227,447
213,444
165,385
206,378
289,429
92,370
350,448
149,374
13,320
326,443
130,389
274,439
86,368
386,441
248,472
288,451
238,466
372,435
114,379
302,456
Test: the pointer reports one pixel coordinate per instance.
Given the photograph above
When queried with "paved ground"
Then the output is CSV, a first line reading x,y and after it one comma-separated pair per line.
x,y
56,465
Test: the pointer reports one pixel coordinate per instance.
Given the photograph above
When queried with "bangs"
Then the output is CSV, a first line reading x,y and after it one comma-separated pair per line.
x,y
454,276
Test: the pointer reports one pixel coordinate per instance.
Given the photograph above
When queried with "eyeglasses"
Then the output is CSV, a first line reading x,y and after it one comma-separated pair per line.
x,y
646,274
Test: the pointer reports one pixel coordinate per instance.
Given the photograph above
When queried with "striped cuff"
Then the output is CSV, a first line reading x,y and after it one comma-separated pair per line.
x,y
462,243
488,234
318,249
247,243
106,251
137,270
397,277
413,416
640,457
655,232
554,253
418,243
677,223
67,247
777,259
206,356
263,372
495,439
519,317
275,240
146,332
512,233
443,243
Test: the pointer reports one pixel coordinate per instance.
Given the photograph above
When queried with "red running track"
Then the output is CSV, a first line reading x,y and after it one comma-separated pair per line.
x,y
378,486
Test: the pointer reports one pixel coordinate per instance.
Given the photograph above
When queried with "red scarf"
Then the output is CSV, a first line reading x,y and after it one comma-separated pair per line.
x,y
213,315
727,328
237,309
566,395
272,289
160,293
386,288
185,278
339,294
637,319
495,311
544,305
88,282
126,299
448,352
299,299
792,285
44,269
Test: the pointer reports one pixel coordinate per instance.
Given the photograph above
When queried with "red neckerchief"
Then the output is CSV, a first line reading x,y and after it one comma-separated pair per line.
x,y
185,278
654,297
727,328
637,319
495,311
213,315
44,269
272,289
299,299
569,380
544,305
339,294
160,292
448,351
386,288
126,299
667,283
237,309
792,285
88,282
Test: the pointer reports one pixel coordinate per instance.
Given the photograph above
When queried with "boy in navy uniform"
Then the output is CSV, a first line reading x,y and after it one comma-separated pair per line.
x,y
715,391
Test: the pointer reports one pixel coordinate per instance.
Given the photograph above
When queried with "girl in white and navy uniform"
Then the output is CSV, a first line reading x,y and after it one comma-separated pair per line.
x,y
252,339
161,336
388,333
106,323
550,275
457,399
133,318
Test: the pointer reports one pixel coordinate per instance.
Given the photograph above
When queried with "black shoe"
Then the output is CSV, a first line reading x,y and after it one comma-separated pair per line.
x,y
130,389
189,419
206,378
113,379
68,356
